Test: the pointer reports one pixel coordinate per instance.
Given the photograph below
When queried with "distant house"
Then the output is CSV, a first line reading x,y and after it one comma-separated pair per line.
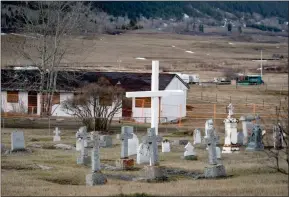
x,y
20,92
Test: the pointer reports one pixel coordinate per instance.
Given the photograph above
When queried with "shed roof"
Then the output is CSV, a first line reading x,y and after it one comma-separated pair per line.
x,y
29,80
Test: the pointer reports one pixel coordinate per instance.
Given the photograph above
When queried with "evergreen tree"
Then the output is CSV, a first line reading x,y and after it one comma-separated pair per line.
x,y
201,28
229,27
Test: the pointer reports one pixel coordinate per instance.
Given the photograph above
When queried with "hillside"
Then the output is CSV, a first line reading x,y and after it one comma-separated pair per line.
x,y
178,17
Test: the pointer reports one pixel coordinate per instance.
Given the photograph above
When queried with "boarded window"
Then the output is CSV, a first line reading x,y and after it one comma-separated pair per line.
x,y
144,102
105,100
12,96
55,99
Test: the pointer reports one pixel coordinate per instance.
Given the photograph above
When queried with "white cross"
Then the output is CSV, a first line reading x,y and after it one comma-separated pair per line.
x,y
154,94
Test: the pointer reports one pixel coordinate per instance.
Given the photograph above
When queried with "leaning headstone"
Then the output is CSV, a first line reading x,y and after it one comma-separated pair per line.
x,y
124,162
197,136
133,144
56,137
214,169
96,177
189,153
143,155
107,141
277,137
255,140
247,127
17,141
166,147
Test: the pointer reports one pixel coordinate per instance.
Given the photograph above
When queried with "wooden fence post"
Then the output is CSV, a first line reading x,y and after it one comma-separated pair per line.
x,y
230,99
216,98
214,113
246,100
254,108
180,119
263,103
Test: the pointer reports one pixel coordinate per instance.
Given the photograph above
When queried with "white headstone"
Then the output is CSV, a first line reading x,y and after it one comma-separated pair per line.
x,y
143,154
230,110
234,136
56,137
166,147
197,136
17,140
78,144
189,150
218,153
133,145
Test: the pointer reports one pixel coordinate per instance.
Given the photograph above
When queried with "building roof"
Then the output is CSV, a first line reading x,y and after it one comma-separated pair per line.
x,y
29,80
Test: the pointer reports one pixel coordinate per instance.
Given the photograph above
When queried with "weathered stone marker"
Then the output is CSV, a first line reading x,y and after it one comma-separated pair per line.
x,y
96,177
56,137
197,136
247,127
255,140
124,162
79,136
84,158
189,153
166,146
17,141
214,169
153,171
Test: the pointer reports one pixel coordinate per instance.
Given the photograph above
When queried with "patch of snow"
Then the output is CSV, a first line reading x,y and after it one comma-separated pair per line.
x,y
186,16
23,35
208,54
189,51
25,68
140,58
173,46
231,43
2,34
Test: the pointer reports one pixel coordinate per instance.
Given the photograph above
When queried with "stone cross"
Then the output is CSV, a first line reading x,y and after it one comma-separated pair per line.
x,y
152,140
207,125
154,94
126,133
56,131
95,159
230,110
211,143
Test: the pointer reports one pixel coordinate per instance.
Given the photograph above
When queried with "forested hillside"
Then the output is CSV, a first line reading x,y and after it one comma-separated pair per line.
x,y
169,9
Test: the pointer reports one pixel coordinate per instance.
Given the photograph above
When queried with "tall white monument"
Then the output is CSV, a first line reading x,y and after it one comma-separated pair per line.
x,y
154,94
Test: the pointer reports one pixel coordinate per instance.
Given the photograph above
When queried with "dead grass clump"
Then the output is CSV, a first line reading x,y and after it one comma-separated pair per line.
x,y
34,140
48,146
64,179
16,166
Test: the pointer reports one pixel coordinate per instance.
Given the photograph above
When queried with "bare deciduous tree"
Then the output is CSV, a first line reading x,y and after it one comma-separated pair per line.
x,y
278,156
46,35
96,104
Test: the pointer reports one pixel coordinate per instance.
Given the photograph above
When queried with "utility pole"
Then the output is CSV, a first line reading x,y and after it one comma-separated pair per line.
x,y
261,64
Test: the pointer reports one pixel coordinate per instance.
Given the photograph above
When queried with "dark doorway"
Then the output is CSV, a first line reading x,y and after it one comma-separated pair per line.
x,y
32,102
127,108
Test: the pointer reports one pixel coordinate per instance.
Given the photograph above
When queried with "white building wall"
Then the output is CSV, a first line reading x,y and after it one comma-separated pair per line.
x,y
58,111
172,107
20,107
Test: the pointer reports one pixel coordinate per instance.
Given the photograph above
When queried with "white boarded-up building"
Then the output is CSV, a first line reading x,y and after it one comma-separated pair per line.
x,y
19,93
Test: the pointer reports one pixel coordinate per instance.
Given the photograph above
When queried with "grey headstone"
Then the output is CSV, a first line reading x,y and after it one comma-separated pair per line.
x,y
83,158
255,140
107,140
17,141
152,139
240,138
211,144
126,133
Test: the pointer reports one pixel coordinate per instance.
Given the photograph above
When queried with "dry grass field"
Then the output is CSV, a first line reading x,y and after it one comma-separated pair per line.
x,y
249,173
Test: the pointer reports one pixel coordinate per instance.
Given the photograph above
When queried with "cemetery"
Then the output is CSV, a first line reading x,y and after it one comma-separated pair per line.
x,y
150,161
134,105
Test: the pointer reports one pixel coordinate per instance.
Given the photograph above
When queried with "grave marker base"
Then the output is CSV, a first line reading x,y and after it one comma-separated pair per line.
x,y
96,178
84,160
214,171
154,173
190,157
